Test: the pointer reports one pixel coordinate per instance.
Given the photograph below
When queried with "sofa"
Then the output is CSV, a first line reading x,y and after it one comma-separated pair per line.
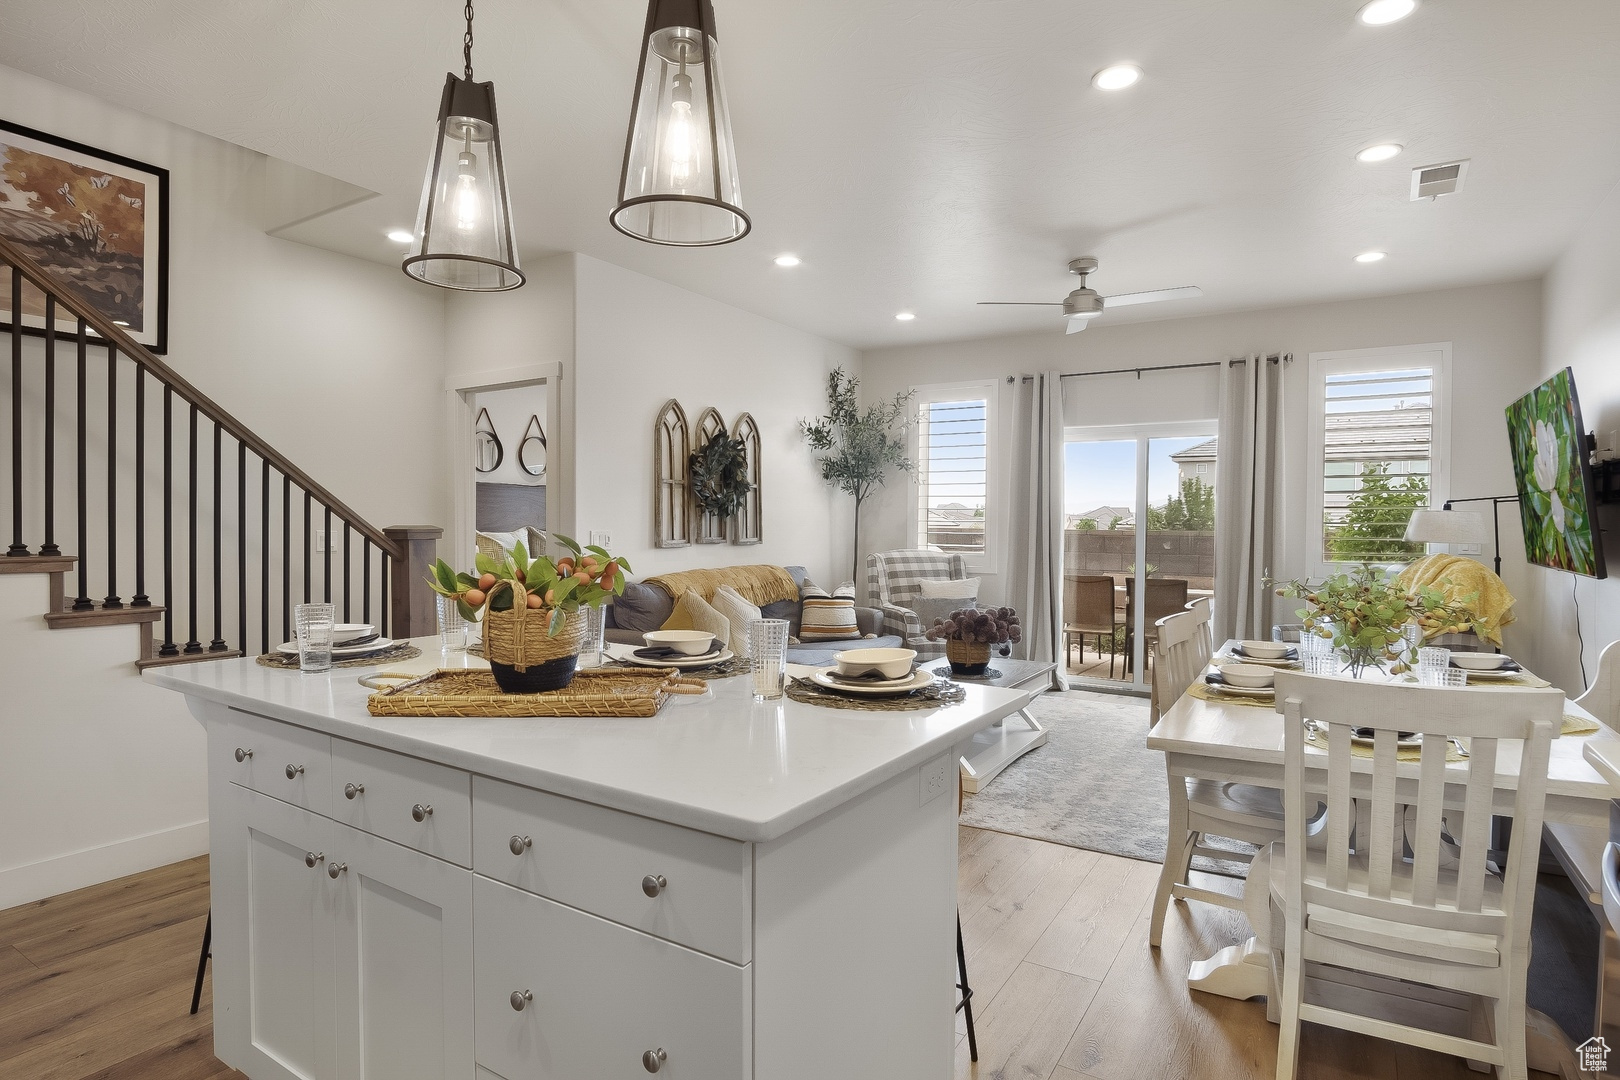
x,y
646,607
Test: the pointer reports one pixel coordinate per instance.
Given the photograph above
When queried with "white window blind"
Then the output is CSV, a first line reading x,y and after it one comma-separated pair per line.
x,y
952,455
1377,463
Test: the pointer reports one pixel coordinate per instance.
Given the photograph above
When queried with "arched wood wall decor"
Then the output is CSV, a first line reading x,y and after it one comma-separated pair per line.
x,y
533,460
672,511
488,451
748,528
710,529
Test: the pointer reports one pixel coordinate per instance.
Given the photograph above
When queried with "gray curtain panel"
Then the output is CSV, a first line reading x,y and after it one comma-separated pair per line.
x,y
1248,500
1036,524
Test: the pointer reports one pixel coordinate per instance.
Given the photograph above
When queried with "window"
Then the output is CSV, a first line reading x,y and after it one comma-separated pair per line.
x,y
953,469
1379,439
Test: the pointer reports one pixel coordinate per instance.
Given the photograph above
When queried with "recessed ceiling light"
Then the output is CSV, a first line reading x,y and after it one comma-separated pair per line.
x,y
905,316
1381,152
401,236
1117,77
787,260
1384,12
1370,256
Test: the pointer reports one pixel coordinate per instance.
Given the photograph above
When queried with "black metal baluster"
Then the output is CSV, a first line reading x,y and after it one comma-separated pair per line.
x,y
365,581
140,599
383,626
218,642
17,548
82,602
168,648
111,600
308,500
264,559
192,644
327,584
241,546
286,557
49,546
345,571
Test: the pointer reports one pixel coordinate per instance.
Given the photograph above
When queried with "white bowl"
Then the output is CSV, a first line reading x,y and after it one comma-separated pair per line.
x,y
891,663
350,631
1478,661
1266,650
1249,676
685,642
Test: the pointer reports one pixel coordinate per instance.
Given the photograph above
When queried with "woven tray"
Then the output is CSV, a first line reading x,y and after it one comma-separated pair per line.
x,y
400,650
463,692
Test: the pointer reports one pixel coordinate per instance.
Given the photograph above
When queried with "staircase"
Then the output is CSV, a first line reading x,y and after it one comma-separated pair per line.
x,y
219,534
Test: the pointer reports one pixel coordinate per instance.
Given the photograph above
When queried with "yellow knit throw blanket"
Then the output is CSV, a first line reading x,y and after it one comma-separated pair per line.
x,y
1493,606
760,584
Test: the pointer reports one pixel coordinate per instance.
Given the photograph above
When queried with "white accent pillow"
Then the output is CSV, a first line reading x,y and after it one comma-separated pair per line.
x,y
736,608
959,589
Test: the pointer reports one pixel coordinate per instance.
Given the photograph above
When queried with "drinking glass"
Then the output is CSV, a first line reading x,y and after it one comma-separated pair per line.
x,y
1433,659
452,627
315,623
590,653
1452,677
767,647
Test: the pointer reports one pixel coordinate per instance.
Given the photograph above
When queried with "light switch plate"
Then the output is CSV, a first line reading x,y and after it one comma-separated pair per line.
x,y
1468,549
602,540
936,778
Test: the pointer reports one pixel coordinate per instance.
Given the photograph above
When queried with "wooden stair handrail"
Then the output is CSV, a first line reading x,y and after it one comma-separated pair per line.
x,y
114,335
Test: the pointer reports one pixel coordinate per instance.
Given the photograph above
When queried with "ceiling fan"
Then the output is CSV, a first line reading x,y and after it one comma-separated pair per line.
x,y
1085,304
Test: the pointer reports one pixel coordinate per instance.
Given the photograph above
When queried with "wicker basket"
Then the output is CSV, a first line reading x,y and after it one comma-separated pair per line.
x,y
967,657
522,652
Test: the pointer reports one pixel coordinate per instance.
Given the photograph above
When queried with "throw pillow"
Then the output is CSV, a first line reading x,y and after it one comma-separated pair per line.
x,y
940,607
642,608
692,612
951,589
828,618
739,612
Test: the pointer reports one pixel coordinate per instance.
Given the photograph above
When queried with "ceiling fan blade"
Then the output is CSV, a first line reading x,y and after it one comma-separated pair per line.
x,y
1020,303
1075,326
1152,296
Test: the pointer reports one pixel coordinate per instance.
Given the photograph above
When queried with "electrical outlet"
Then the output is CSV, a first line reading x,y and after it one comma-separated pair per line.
x,y
602,540
936,778
1468,549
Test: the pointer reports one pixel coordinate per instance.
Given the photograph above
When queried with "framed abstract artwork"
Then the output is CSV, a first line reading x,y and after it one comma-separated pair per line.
x,y
97,221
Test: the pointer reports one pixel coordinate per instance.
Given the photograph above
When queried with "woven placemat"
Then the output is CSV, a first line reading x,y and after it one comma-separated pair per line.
x,y
933,696
725,669
1202,692
989,673
402,650
1319,740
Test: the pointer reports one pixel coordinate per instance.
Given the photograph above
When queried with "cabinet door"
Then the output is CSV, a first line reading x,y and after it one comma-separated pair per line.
x,y
404,962
286,910
563,995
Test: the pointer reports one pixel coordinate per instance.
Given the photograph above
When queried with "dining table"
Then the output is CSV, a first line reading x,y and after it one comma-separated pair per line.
x,y
1242,743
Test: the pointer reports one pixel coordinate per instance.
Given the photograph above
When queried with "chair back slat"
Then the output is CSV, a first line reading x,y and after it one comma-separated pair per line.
x,y
1340,813
1476,837
1382,864
1179,656
1426,827
1088,603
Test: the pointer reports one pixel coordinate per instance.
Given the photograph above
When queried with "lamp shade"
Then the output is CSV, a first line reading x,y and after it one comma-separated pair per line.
x,y
1446,527
679,182
464,226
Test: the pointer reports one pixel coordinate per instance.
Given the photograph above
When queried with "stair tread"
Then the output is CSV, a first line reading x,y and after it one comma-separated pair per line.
x,y
37,564
124,616
187,658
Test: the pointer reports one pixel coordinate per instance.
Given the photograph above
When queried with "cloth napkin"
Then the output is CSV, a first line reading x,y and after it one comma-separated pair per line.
x,y
664,652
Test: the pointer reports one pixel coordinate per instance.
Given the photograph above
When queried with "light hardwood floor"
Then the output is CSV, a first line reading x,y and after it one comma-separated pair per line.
x,y
94,985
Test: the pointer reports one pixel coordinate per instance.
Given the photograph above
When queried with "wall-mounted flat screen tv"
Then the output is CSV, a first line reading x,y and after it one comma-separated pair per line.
x,y
1553,467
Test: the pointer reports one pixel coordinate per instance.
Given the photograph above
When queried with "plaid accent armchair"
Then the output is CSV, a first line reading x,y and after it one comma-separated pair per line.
x,y
891,582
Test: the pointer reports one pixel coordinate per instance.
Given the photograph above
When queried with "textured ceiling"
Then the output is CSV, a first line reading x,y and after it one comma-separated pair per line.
x,y
925,154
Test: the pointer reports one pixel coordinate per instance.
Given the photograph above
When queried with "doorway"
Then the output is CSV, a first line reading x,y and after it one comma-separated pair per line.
x,y
509,457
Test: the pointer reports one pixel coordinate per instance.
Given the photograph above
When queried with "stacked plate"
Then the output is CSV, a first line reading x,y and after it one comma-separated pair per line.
x,y
350,641
1486,667
830,679
667,658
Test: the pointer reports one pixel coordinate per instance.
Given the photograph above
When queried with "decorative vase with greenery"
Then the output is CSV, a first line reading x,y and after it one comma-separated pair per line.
x,y
1364,612
532,609
719,475
969,633
859,447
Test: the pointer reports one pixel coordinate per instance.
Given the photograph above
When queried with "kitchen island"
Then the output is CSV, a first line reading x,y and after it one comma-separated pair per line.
x,y
725,891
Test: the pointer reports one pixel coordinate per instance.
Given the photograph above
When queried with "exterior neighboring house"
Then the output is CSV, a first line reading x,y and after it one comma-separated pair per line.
x,y
955,527
1104,516
1196,463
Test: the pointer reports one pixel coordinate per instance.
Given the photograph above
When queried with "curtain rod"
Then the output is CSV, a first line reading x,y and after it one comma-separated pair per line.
x,y
1137,371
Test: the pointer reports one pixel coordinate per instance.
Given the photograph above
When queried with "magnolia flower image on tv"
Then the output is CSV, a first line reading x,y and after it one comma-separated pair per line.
x,y
1547,441
1549,453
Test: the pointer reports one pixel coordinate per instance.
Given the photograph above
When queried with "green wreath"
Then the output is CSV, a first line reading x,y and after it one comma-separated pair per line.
x,y
719,475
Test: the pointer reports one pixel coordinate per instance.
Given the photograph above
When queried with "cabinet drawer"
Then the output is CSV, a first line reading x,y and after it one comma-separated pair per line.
x,y
599,996
384,793
285,762
597,859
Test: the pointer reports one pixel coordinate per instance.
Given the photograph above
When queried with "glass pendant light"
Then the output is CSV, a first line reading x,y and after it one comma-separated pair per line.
x,y
679,184
464,227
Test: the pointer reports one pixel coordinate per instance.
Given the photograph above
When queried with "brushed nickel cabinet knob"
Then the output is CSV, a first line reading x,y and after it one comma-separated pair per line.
x,y
352,790
243,755
653,884
311,858
653,1060
421,813
294,771
520,998
334,869
520,844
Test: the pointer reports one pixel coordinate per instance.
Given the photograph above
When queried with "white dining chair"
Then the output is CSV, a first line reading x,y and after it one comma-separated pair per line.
x,y
1201,806
1371,911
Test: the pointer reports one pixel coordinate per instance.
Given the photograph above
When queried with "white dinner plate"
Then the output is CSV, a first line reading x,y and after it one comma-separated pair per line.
x,y
920,678
341,652
694,662
886,684
1492,676
1243,691
1245,659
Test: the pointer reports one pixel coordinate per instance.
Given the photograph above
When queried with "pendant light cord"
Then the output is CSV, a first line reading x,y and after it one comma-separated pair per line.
x,y
466,42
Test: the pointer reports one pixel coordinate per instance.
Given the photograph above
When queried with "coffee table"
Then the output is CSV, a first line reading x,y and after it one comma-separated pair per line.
x,y
1003,743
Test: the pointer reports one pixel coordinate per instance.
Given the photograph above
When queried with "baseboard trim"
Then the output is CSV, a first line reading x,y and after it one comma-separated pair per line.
x,y
92,866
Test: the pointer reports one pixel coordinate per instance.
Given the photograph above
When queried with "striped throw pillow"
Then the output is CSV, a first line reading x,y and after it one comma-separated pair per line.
x,y
828,618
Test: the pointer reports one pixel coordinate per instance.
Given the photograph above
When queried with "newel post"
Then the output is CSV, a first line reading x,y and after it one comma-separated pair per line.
x,y
412,613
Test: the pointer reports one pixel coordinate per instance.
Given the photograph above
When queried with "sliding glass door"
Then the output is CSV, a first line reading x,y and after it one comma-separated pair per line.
x,y
1138,542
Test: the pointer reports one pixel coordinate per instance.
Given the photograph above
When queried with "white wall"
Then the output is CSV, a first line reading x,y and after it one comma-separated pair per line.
x,y
1495,330
1583,332
334,361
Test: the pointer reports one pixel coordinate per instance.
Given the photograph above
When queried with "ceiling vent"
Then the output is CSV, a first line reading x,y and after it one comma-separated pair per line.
x,y
1433,181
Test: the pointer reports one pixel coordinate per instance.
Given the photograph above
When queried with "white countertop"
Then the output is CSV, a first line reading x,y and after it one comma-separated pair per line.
x,y
719,763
